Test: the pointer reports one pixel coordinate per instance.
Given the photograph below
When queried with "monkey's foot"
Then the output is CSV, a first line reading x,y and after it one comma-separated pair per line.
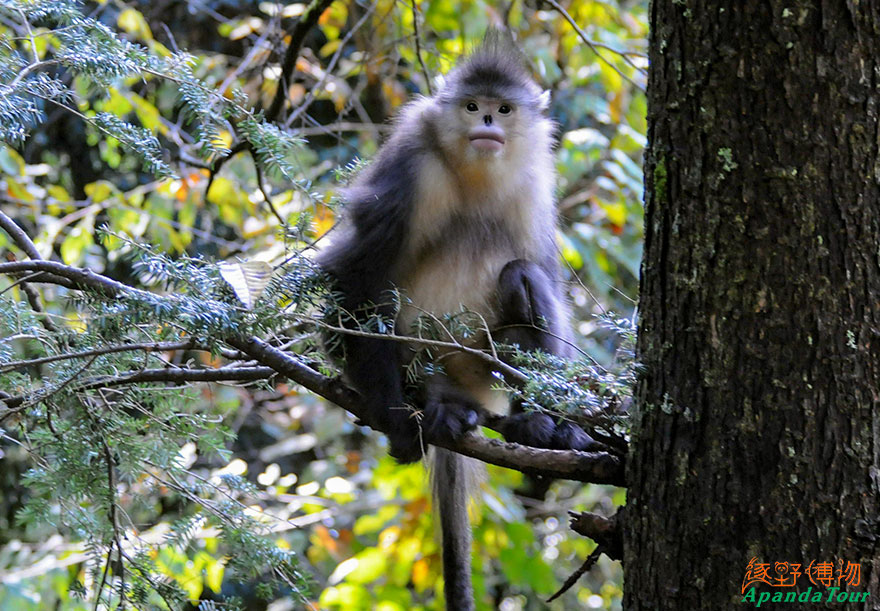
x,y
406,445
447,415
541,431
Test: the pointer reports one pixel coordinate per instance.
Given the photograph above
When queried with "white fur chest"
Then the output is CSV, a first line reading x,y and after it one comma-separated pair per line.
x,y
458,244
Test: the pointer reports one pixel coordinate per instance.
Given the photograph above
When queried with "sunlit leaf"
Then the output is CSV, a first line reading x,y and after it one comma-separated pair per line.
x,y
248,279
133,22
10,161
75,243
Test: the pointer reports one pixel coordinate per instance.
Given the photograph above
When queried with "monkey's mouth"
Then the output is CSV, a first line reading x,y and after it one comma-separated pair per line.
x,y
488,139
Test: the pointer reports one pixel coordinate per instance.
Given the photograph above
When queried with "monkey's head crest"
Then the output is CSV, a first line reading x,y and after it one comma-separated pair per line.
x,y
496,69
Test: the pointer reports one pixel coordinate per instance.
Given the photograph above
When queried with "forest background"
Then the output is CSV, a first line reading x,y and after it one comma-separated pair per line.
x,y
146,141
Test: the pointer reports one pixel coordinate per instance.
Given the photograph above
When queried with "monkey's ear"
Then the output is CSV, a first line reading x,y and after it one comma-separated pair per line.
x,y
544,100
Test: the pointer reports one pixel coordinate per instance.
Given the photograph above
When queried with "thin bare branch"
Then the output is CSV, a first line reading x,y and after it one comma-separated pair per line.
x,y
19,236
176,376
189,344
306,22
415,18
71,277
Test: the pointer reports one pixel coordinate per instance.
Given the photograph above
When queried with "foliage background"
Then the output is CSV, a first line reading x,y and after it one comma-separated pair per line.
x,y
359,525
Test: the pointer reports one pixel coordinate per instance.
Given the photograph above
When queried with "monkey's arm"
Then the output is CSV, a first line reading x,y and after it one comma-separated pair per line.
x,y
361,265
534,317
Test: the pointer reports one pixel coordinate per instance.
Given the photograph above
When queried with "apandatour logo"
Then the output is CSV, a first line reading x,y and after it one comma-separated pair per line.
x,y
785,582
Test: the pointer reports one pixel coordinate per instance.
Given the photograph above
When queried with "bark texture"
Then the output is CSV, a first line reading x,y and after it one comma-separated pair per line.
x,y
758,432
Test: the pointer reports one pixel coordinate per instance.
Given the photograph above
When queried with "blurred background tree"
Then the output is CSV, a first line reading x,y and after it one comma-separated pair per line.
x,y
194,156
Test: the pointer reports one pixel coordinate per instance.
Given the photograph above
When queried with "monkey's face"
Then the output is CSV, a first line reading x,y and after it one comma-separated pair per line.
x,y
483,128
488,122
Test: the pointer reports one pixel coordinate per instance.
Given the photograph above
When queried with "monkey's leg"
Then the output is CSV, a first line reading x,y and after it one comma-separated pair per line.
x,y
532,317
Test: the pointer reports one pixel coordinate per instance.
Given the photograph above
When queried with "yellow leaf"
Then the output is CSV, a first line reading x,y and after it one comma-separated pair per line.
x,y
615,211
75,244
59,193
371,563
421,573
245,28
570,253
133,22
147,114
225,138
214,576
101,190
330,48
324,220
17,191
10,161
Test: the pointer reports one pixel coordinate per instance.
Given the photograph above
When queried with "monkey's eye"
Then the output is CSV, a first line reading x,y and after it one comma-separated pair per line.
x,y
472,107
504,109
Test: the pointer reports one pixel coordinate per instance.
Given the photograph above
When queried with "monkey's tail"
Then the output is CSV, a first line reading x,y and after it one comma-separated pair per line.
x,y
453,477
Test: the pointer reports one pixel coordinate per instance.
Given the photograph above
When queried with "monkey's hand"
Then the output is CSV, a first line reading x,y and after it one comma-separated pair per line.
x,y
541,431
446,415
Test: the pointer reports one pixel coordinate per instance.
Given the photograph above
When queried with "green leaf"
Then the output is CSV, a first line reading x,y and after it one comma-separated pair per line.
x,y
75,244
371,564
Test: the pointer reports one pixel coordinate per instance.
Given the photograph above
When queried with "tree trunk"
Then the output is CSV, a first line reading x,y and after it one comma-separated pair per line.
x,y
758,429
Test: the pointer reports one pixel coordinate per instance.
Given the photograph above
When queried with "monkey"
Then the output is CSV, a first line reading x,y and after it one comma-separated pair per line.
x,y
457,209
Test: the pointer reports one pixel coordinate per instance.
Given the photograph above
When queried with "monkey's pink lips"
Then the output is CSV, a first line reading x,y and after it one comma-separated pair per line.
x,y
487,139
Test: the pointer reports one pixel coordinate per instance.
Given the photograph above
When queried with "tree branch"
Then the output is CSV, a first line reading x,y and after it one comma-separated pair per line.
x,y
606,532
595,467
188,344
19,236
70,277
178,376
306,22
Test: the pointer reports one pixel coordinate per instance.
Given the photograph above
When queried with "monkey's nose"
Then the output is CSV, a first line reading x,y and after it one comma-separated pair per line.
x,y
487,119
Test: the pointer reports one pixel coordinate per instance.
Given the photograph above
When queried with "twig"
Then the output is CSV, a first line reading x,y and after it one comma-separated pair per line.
x,y
64,384
572,579
103,577
72,277
179,376
189,344
342,126
215,169
26,244
606,532
421,341
114,521
415,18
266,195
306,22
